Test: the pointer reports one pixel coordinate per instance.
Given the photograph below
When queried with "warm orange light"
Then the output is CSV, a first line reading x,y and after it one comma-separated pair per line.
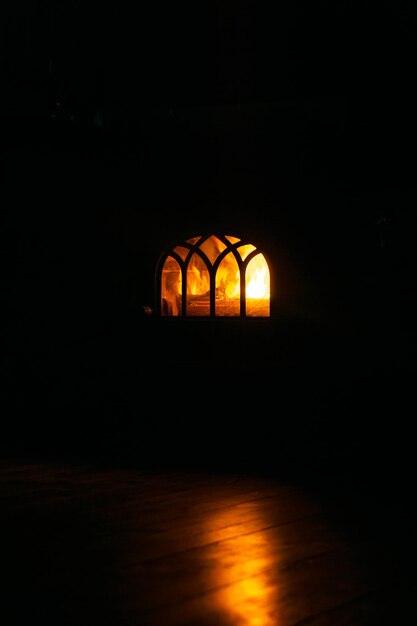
x,y
257,278
200,271
198,279
240,567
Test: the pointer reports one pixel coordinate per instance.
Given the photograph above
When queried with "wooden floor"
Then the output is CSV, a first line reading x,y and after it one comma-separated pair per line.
x,y
87,544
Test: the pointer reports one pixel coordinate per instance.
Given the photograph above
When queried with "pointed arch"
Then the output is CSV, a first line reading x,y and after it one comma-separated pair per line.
x,y
213,275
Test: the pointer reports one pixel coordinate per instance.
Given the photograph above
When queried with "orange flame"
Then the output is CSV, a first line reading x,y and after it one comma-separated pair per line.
x,y
198,280
227,282
257,278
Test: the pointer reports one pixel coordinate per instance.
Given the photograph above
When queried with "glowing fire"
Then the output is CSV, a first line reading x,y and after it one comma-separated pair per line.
x,y
228,277
227,281
257,278
198,279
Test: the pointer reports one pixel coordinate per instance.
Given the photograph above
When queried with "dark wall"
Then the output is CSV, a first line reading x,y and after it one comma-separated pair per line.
x,y
119,138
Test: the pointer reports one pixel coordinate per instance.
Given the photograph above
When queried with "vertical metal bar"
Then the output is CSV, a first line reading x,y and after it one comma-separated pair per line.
x,y
212,291
184,290
242,272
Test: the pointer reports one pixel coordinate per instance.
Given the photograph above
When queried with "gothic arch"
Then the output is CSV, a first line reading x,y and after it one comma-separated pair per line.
x,y
223,275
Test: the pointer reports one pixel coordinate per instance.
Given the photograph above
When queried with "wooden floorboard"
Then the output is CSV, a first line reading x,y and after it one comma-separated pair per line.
x,y
84,544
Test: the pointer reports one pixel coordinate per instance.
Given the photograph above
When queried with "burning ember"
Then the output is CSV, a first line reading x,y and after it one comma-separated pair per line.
x,y
214,276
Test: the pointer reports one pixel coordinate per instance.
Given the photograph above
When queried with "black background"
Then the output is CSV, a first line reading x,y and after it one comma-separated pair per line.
x,y
127,126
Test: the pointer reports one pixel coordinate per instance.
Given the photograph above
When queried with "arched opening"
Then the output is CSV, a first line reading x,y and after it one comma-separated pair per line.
x,y
213,276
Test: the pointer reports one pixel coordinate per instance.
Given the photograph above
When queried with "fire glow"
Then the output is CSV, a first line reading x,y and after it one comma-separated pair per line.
x,y
224,277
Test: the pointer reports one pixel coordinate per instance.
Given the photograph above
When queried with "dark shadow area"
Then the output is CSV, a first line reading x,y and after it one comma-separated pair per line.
x,y
294,141
325,383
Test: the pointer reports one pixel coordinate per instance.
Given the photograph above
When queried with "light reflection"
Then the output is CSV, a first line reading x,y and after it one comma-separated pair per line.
x,y
241,570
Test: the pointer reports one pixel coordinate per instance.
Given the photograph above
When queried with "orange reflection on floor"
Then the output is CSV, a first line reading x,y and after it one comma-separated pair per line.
x,y
241,572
